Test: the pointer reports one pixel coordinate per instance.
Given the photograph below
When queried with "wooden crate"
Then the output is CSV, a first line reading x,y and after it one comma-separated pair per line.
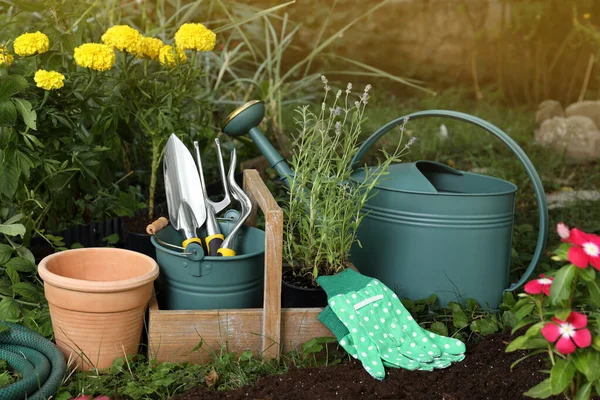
x,y
175,335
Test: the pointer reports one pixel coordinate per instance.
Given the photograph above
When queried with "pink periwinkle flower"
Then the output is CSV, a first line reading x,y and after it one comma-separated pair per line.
x,y
570,334
537,286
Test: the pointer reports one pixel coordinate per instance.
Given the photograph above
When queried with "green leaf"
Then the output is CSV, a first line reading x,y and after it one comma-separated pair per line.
x,y
508,298
561,286
5,253
8,113
459,319
4,327
584,392
440,328
472,304
246,355
27,291
534,330
485,326
26,254
111,239
594,289
9,310
562,252
11,85
587,274
593,365
540,391
13,229
21,264
27,113
13,274
562,313
524,311
561,374
525,343
9,177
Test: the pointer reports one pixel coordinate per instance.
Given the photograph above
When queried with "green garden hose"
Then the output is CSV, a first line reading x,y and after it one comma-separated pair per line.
x,y
39,361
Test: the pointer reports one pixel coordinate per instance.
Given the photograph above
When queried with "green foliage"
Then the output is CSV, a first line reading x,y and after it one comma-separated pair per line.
x,y
7,376
573,289
455,320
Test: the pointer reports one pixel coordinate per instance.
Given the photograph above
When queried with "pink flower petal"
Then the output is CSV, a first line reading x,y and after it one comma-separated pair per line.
x,y
582,338
551,332
578,237
595,261
578,257
565,345
578,320
563,231
546,289
533,287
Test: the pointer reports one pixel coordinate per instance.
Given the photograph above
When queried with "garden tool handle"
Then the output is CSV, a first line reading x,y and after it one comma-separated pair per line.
x,y
507,140
156,226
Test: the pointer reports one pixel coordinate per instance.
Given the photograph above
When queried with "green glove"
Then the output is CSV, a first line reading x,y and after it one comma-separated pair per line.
x,y
373,326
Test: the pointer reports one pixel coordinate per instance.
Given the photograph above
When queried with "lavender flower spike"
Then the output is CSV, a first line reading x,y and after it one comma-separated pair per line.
x,y
367,88
338,126
337,111
349,88
410,142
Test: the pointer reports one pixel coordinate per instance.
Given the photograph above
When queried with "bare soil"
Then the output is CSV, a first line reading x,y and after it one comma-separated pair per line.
x,y
483,374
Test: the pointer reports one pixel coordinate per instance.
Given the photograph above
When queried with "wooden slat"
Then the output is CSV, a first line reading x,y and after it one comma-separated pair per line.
x,y
174,334
260,194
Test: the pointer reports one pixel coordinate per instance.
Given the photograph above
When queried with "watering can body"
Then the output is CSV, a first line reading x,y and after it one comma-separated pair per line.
x,y
430,229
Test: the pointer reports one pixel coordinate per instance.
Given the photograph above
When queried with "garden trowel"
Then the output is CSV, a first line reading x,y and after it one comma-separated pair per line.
x,y
187,210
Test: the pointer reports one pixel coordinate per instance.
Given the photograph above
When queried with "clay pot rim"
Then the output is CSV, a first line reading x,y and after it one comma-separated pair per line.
x,y
81,285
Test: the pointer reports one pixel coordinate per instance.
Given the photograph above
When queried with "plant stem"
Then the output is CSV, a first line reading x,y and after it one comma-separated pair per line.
x,y
25,303
155,161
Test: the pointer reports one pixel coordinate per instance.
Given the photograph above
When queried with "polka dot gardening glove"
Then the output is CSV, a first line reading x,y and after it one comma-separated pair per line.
x,y
373,326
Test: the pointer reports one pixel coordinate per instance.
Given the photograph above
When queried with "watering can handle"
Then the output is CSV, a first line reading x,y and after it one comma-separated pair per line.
x,y
531,172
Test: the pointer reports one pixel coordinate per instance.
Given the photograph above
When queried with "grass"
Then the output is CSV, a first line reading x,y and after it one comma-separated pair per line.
x,y
139,378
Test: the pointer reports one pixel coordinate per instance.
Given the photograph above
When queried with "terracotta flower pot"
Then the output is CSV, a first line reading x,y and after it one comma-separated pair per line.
x,y
97,299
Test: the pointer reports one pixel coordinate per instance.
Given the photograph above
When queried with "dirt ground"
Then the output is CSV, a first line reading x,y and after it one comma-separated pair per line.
x,y
483,374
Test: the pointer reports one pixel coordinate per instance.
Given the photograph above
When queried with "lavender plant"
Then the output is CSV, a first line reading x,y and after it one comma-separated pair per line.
x,y
323,206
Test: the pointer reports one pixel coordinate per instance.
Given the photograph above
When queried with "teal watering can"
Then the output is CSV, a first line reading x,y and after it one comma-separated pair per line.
x,y
430,229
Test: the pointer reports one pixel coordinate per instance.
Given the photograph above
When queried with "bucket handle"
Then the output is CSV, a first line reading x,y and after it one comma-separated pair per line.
x,y
507,140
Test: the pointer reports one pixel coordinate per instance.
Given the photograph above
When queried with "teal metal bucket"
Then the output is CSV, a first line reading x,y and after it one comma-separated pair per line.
x,y
431,229
196,282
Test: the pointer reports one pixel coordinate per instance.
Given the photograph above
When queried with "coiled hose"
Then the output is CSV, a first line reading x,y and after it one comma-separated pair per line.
x,y
38,360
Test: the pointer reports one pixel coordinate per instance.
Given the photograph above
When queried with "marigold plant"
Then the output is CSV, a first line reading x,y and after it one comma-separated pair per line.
x,y
96,56
195,37
560,309
29,44
49,80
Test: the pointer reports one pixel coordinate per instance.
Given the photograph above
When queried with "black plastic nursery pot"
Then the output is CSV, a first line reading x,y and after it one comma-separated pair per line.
x,y
293,296
92,234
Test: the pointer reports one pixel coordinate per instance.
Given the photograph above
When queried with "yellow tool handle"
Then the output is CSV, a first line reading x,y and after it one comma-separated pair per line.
x,y
226,252
192,240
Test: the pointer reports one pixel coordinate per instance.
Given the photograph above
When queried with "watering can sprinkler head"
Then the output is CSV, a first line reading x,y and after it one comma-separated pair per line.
x,y
244,118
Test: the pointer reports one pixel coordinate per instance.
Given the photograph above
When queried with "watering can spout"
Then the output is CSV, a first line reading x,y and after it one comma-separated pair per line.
x,y
245,119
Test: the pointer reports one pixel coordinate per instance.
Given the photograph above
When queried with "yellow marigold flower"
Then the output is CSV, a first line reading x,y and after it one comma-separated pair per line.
x,y
29,44
168,57
195,37
5,57
124,38
150,47
587,16
49,79
99,57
